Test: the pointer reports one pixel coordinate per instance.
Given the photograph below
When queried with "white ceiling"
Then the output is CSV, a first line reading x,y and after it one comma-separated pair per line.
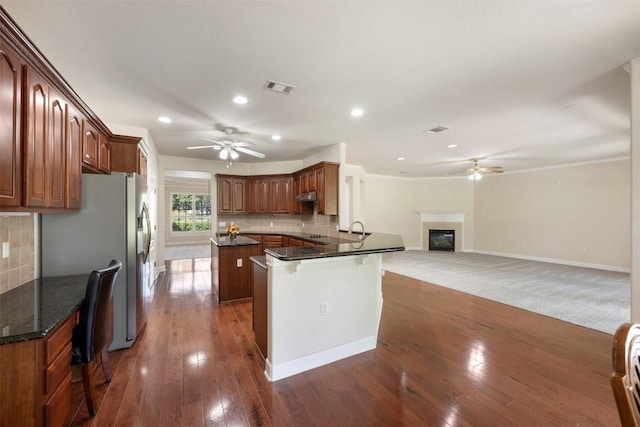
x,y
501,75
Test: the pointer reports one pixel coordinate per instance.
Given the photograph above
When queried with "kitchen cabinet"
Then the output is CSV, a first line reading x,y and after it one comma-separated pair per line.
x,y
323,179
258,194
74,160
44,145
295,242
35,379
127,155
272,241
96,151
260,304
10,122
231,270
231,194
280,194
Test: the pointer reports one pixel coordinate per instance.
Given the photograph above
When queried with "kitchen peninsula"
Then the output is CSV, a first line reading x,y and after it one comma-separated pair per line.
x,y
324,302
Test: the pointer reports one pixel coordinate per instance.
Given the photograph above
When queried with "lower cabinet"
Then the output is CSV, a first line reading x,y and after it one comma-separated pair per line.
x,y
231,271
35,379
260,281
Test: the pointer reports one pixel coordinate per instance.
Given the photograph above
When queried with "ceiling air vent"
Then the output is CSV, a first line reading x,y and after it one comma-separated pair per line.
x,y
278,87
436,129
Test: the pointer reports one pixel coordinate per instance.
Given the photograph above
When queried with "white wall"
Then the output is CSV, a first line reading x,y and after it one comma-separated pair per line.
x,y
578,214
389,208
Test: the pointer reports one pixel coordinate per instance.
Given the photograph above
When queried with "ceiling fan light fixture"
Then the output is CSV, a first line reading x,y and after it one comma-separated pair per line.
x,y
475,176
234,154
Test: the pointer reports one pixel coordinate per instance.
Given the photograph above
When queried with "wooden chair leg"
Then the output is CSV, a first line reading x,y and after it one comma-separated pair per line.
x,y
106,366
89,387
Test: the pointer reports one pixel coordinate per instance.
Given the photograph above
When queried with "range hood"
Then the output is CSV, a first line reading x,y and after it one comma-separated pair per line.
x,y
311,196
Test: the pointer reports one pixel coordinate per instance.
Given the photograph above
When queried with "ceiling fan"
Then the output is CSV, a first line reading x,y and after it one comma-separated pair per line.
x,y
477,170
229,147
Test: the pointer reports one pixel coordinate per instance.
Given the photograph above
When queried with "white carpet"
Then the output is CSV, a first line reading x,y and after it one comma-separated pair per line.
x,y
595,299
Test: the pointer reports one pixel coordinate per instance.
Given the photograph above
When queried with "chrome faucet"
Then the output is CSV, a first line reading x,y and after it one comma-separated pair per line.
x,y
361,225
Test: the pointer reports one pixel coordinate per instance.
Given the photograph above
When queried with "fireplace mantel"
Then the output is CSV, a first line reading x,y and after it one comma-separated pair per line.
x,y
441,216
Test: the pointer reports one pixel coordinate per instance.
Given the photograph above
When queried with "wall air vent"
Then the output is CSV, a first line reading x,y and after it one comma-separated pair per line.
x,y
278,87
436,129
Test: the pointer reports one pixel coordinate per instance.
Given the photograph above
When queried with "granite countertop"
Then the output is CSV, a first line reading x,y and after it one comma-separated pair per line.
x,y
374,243
318,239
222,240
32,310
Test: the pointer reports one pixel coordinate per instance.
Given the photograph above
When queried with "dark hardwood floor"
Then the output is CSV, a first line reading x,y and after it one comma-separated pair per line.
x,y
444,358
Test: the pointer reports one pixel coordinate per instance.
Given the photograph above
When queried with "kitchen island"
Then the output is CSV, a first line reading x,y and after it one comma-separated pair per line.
x,y
323,302
231,267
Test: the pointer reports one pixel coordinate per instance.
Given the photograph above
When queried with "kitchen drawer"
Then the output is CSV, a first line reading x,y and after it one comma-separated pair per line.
x,y
58,407
58,341
57,371
271,242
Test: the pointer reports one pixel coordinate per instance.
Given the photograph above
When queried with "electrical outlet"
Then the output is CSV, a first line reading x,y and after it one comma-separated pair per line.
x,y
5,331
324,309
239,262
271,224
5,249
222,224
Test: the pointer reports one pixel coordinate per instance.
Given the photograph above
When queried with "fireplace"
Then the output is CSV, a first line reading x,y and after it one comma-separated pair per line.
x,y
442,240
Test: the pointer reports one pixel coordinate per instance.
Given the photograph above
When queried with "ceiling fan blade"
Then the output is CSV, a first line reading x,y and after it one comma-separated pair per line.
x,y
197,147
250,152
496,169
243,144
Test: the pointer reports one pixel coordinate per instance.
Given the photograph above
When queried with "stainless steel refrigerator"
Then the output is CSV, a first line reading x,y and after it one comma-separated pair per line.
x,y
112,224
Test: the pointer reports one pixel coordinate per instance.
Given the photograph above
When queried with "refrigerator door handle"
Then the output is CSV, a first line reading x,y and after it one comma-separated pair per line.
x,y
146,233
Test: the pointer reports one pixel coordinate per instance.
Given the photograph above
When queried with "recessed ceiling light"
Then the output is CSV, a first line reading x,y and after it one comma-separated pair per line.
x,y
452,145
276,137
357,112
400,158
164,119
240,99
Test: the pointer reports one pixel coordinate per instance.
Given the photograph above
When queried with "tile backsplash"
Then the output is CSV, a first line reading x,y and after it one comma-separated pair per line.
x,y
316,224
19,267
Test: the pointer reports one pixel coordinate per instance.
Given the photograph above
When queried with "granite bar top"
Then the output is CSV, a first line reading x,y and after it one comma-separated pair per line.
x,y
318,239
32,310
374,243
223,240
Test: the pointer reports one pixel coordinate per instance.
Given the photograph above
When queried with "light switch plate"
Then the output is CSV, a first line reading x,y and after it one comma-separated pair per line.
x,y
5,249
239,262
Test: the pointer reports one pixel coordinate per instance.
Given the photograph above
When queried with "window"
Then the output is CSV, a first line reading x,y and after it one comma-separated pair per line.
x,y
190,213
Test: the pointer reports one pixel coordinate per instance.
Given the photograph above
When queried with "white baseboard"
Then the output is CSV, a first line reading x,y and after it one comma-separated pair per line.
x,y
556,261
292,367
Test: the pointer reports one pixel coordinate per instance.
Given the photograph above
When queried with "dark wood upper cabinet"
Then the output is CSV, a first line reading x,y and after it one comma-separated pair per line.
x,y
258,194
280,194
55,160
276,193
10,120
74,160
127,156
231,194
35,144
104,154
96,150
